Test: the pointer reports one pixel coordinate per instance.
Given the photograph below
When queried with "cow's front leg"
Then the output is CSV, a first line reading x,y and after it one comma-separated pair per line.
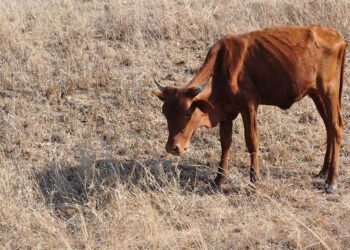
x,y
252,139
226,140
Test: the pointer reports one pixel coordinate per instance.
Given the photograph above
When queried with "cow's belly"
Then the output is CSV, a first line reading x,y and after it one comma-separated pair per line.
x,y
283,94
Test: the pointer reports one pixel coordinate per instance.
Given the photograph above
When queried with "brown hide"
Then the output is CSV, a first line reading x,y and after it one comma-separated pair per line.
x,y
275,66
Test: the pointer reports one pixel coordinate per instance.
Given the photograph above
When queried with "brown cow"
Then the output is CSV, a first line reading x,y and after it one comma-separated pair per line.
x,y
275,66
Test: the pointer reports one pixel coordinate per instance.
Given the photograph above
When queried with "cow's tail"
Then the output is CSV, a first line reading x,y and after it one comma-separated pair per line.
x,y
206,70
341,85
342,75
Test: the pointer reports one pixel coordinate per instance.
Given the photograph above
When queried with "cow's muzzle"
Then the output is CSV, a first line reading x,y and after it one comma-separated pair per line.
x,y
174,149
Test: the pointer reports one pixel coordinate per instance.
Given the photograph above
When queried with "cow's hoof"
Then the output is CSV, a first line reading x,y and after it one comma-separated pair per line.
x,y
321,175
331,188
254,175
254,179
215,188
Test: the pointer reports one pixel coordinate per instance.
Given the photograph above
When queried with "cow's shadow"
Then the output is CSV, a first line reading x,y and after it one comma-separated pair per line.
x,y
97,180
94,182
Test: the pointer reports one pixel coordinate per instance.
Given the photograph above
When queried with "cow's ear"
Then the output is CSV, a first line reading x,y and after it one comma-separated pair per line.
x,y
203,105
160,94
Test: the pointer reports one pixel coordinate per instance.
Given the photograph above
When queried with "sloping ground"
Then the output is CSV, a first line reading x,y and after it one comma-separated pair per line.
x,y
82,159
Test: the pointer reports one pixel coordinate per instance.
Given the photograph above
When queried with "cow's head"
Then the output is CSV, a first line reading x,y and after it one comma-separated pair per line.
x,y
184,112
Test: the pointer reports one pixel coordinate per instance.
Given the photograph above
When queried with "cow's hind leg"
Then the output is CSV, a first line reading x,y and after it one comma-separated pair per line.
x,y
332,106
322,111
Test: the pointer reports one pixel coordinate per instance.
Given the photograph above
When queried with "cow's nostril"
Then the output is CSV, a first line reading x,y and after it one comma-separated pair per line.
x,y
173,149
176,149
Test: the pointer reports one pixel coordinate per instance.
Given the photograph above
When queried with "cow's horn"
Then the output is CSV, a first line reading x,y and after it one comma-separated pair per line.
x,y
201,87
161,88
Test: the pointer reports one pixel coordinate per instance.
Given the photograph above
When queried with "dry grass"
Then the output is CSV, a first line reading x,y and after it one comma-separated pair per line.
x,y
82,159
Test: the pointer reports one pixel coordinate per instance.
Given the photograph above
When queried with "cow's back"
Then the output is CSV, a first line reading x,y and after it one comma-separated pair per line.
x,y
283,63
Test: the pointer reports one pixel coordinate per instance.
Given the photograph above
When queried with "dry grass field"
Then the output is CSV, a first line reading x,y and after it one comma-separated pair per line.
x,y
82,158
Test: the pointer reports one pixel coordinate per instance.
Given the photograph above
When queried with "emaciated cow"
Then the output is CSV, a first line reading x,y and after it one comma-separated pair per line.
x,y
275,66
